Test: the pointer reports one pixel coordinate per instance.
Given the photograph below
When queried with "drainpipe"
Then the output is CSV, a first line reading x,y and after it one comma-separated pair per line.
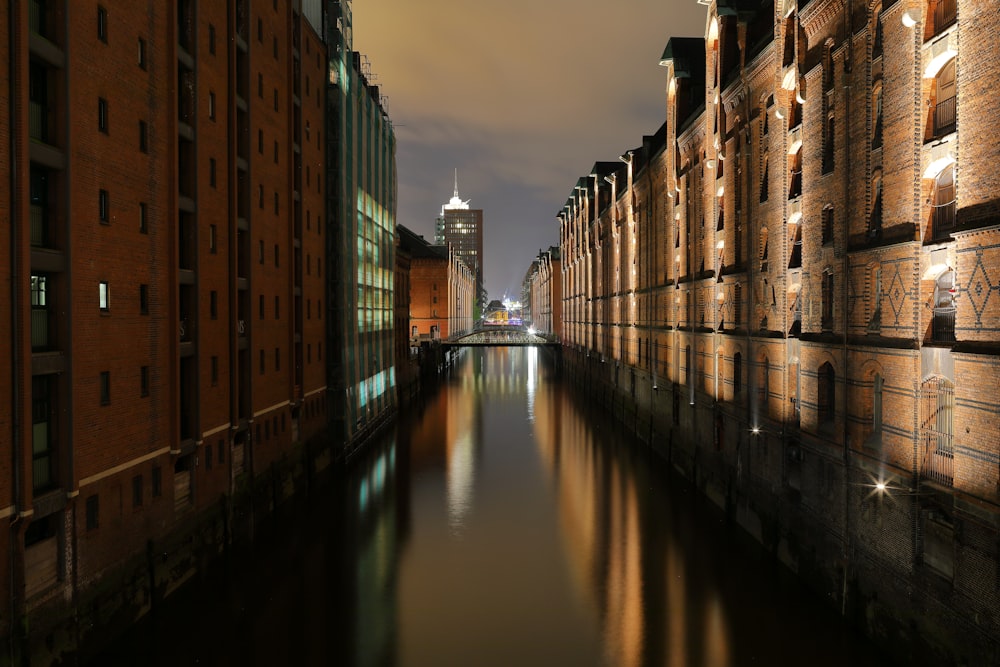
x,y
848,64
16,364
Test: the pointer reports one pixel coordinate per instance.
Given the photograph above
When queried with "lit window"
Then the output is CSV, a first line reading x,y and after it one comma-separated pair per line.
x,y
103,296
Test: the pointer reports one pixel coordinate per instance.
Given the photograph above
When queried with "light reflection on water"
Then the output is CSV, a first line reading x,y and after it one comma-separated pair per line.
x,y
504,523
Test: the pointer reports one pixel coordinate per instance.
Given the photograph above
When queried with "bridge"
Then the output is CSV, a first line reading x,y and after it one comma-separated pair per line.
x,y
501,336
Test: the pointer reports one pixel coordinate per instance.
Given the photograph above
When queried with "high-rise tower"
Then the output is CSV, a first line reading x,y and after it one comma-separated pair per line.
x,y
461,227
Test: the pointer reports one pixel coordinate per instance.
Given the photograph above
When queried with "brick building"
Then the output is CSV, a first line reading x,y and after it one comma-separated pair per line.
x,y
793,281
543,293
164,256
442,289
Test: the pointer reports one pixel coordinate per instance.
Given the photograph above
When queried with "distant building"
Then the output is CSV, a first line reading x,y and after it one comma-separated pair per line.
x,y
361,229
442,289
461,227
543,285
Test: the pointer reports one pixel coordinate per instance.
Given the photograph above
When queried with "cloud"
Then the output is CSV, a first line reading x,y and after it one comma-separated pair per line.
x,y
521,96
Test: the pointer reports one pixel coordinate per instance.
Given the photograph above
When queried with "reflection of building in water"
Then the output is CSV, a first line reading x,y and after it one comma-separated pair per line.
x,y
622,556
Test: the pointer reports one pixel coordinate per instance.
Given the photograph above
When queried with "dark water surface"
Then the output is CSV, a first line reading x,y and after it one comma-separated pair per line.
x,y
504,523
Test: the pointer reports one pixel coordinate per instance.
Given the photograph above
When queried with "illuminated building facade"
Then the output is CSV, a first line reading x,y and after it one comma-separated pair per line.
x,y
543,290
442,289
792,283
361,228
161,345
461,228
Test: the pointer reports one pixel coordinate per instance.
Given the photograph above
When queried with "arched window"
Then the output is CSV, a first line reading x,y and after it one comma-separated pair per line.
x,y
944,105
875,299
737,304
737,374
826,321
795,174
877,115
826,397
764,384
875,217
763,250
937,422
944,203
764,178
877,403
828,139
943,323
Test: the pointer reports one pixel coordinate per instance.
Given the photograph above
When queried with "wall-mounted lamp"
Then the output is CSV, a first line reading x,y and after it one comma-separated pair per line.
x,y
908,19
626,157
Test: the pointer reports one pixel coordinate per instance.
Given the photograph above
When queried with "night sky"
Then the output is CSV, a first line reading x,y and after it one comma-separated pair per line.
x,y
522,97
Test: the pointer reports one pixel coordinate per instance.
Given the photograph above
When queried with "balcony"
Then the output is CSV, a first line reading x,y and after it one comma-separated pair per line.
x,y
944,117
41,236
943,325
939,460
40,329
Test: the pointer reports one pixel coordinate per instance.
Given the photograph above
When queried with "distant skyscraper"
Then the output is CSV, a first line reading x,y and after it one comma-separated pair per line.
x,y
462,228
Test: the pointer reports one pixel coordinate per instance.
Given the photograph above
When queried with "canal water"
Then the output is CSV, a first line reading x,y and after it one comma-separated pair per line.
x,y
504,522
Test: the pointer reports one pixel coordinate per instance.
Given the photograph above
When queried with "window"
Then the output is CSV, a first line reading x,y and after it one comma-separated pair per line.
x,y
275,99
260,362
211,39
222,452
875,217
157,481
144,299
763,250
208,457
142,219
877,116
213,304
795,174
211,105
260,85
875,303
211,171
103,206
260,203
143,137
275,151
826,402
260,307
137,491
144,381
105,387
737,374
944,204
42,442
141,56
828,139
260,30
827,226
276,203
212,239
274,47
944,106
945,13
260,141
277,309
764,384
103,296
102,115
277,255
277,359
102,24
260,251
764,179
215,371
93,512
826,321
877,404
